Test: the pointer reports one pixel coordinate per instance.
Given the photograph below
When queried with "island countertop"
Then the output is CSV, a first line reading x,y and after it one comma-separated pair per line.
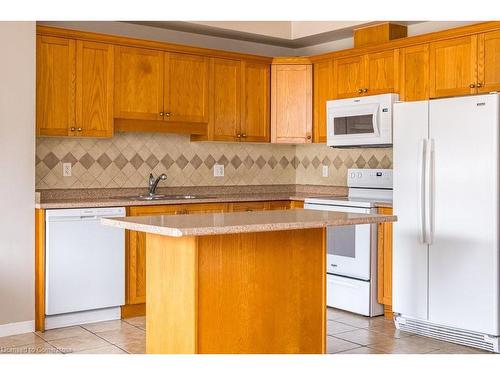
x,y
242,222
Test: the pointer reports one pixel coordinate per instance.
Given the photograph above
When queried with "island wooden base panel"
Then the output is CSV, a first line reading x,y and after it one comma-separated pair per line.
x,y
237,293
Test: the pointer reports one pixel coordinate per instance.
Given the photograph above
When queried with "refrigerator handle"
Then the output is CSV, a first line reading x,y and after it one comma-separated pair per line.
x,y
428,191
430,237
422,188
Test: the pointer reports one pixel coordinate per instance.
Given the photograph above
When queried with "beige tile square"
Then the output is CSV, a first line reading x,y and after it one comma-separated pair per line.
x,y
17,340
365,337
407,345
109,325
62,333
134,346
108,349
123,335
79,343
362,350
335,345
333,327
41,347
138,321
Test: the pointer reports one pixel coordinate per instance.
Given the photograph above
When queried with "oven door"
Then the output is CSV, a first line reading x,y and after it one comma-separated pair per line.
x,y
348,246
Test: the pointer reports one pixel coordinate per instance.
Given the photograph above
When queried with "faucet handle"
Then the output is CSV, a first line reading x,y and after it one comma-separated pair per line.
x,y
151,179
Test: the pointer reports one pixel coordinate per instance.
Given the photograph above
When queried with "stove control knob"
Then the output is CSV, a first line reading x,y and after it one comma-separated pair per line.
x,y
359,174
353,175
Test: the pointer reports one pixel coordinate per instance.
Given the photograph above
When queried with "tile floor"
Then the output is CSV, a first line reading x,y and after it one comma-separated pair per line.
x,y
347,334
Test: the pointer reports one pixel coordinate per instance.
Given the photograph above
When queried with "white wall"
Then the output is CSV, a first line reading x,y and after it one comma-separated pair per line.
x,y
17,176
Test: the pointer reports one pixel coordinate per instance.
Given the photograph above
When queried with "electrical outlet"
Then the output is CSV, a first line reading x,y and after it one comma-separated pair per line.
x,y
325,171
66,169
219,170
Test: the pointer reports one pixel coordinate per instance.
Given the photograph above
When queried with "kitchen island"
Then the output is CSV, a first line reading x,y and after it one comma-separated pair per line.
x,y
243,282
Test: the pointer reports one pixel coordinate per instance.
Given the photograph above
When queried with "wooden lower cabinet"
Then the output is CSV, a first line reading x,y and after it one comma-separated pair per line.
x,y
135,247
384,273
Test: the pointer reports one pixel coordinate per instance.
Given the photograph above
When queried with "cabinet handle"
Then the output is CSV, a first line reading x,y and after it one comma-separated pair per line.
x,y
79,129
365,90
479,84
308,136
244,135
238,135
72,129
167,114
360,91
472,85
161,113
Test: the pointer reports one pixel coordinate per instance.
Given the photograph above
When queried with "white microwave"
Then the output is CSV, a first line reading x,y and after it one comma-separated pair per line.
x,y
363,121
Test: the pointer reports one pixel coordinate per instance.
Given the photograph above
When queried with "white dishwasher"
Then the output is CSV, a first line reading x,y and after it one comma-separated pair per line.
x,y
84,266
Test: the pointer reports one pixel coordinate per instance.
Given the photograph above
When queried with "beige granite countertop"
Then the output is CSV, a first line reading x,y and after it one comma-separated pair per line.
x,y
241,222
91,198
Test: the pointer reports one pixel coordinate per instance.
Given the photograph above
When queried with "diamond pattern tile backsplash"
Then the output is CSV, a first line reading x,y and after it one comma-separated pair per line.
x,y
127,159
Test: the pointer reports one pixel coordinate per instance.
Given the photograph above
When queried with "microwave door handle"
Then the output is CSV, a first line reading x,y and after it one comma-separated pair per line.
x,y
421,189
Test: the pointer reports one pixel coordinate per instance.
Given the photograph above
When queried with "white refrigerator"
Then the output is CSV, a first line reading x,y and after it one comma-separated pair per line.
x,y
446,240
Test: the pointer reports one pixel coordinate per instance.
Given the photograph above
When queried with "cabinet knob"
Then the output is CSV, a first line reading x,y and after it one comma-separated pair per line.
x,y
167,114
72,128
479,84
79,129
365,90
308,136
360,91
161,113
238,135
472,85
244,135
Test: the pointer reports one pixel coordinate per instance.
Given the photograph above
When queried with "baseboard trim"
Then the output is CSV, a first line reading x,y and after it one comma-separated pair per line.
x,y
130,311
17,328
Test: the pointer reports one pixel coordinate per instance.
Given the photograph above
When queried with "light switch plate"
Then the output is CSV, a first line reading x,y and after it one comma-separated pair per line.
x,y
325,171
66,169
218,170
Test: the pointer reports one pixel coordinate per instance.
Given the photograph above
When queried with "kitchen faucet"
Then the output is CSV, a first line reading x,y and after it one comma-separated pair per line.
x,y
153,182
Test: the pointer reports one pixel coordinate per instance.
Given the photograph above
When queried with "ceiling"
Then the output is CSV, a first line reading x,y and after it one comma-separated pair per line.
x,y
291,34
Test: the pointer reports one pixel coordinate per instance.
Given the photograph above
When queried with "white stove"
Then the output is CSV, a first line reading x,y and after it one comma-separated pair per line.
x,y
352,250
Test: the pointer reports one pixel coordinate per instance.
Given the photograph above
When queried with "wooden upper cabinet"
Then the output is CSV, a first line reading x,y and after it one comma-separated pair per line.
x,y
225,118
94,89
138,83
55,85
488,62
291,103
186,88
453,64
323,81
348,77
414,73
255,102
382,72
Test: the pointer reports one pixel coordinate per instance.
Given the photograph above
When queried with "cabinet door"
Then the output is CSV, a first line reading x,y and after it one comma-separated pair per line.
x,y
453,67
94,89
384,263
255,102
414,73
348,77
291,104
136,245
135,251
225,117
323,82
382,72
279,205
186,88
489,62
55,85
138,83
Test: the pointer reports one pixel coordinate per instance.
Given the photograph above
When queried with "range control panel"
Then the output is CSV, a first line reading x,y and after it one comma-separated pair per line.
x,y
369,178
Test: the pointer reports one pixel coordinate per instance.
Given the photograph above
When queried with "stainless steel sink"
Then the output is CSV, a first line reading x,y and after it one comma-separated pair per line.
x,y
166,197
